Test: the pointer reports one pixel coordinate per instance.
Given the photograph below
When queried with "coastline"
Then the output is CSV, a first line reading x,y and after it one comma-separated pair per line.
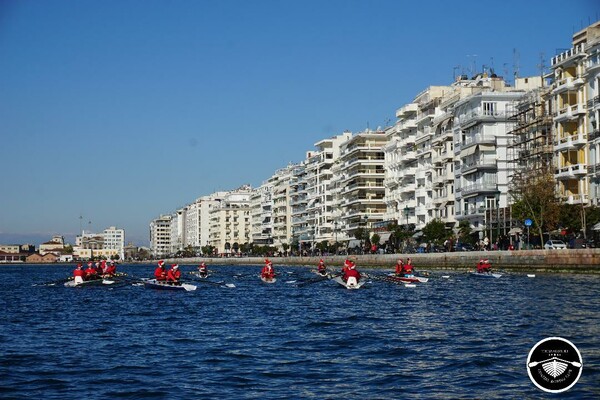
x,y
555,261
552,261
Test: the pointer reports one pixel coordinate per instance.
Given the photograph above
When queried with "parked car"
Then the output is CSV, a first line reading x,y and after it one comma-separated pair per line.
x,y
555,245
463,247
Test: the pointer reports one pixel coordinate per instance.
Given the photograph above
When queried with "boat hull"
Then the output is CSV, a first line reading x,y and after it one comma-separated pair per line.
x,y
267,280
408,279
161,285
486,275
358,285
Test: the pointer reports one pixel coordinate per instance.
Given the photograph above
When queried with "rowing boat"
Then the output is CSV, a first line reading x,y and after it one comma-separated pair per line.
x,y
486,274
201,275
93,282
408,278
268,280
163,285
351,283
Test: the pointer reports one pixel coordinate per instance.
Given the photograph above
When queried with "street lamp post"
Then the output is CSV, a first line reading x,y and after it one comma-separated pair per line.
x,y
406,215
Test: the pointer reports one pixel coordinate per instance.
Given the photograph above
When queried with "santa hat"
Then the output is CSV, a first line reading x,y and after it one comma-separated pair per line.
x,y
161,263
90,263
347,263
174,266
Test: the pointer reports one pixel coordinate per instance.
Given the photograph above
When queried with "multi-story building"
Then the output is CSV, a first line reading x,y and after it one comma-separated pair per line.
x,y
230,223
160,235
400,165
114,239
569,98
481,141
282,213
592,77
261,214
358,178
532,147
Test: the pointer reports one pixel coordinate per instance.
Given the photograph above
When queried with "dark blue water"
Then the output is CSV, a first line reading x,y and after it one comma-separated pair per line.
x,y
462,337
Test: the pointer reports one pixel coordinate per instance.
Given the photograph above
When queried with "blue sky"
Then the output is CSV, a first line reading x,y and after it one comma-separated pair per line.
x,y
119,111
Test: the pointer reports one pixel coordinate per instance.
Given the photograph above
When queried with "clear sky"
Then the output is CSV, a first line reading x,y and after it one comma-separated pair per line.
x,y
119,111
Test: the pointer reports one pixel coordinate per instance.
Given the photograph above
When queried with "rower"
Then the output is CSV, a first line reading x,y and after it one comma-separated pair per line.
x,y
203,270
268,272
160,273
321,268
78,274
408,267
111,269
346,267
399,267
174,274
101,268
351,276
484,267
90,272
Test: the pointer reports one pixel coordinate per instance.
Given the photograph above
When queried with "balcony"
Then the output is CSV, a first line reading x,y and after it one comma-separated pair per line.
x,y
406,110
574,52
569,112
476,188
478,164
567,84
571,171
570,142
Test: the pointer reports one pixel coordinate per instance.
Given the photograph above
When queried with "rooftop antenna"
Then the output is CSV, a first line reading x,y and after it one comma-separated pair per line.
x,y
515,63
454,71
474,70
542,66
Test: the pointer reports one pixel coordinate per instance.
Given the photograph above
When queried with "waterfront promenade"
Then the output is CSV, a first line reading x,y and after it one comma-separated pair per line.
x,y
577,261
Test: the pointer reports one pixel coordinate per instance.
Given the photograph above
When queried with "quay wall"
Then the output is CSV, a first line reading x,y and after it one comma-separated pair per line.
x,y
569,260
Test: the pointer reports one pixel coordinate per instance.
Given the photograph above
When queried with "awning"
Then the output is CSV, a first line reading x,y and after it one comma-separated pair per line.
x,y
384,237
468,151
354,243
417,235
486,147
596,227
514,231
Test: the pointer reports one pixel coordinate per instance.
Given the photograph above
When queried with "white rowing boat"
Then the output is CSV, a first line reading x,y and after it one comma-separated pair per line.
x,y
268,280
486,274
351,283
164,285
93,282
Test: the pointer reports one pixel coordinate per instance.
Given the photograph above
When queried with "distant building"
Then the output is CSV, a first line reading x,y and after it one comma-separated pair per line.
x,y
55,245
39,258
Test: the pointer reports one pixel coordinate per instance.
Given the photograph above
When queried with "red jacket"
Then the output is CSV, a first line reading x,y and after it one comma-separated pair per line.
x,y
160,274
399,268
110,270
352,272
268,272
90,272
408,269
79,272
173,275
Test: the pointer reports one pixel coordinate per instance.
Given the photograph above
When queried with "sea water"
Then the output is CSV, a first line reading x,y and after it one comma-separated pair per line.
x,y
454,337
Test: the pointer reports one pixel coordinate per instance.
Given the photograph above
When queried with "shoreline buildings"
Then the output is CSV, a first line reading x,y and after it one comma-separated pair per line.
x,y
454,153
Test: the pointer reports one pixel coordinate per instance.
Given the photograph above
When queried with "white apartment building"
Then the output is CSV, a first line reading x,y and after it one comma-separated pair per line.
x,y
400,163
282,212
321,203
359,182
261,213
197,220
302,229
114,239
230,223
160,235
481,139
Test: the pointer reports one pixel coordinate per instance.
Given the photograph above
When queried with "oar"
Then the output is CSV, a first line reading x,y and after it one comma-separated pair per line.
x,y
317,279
51,283
221,284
